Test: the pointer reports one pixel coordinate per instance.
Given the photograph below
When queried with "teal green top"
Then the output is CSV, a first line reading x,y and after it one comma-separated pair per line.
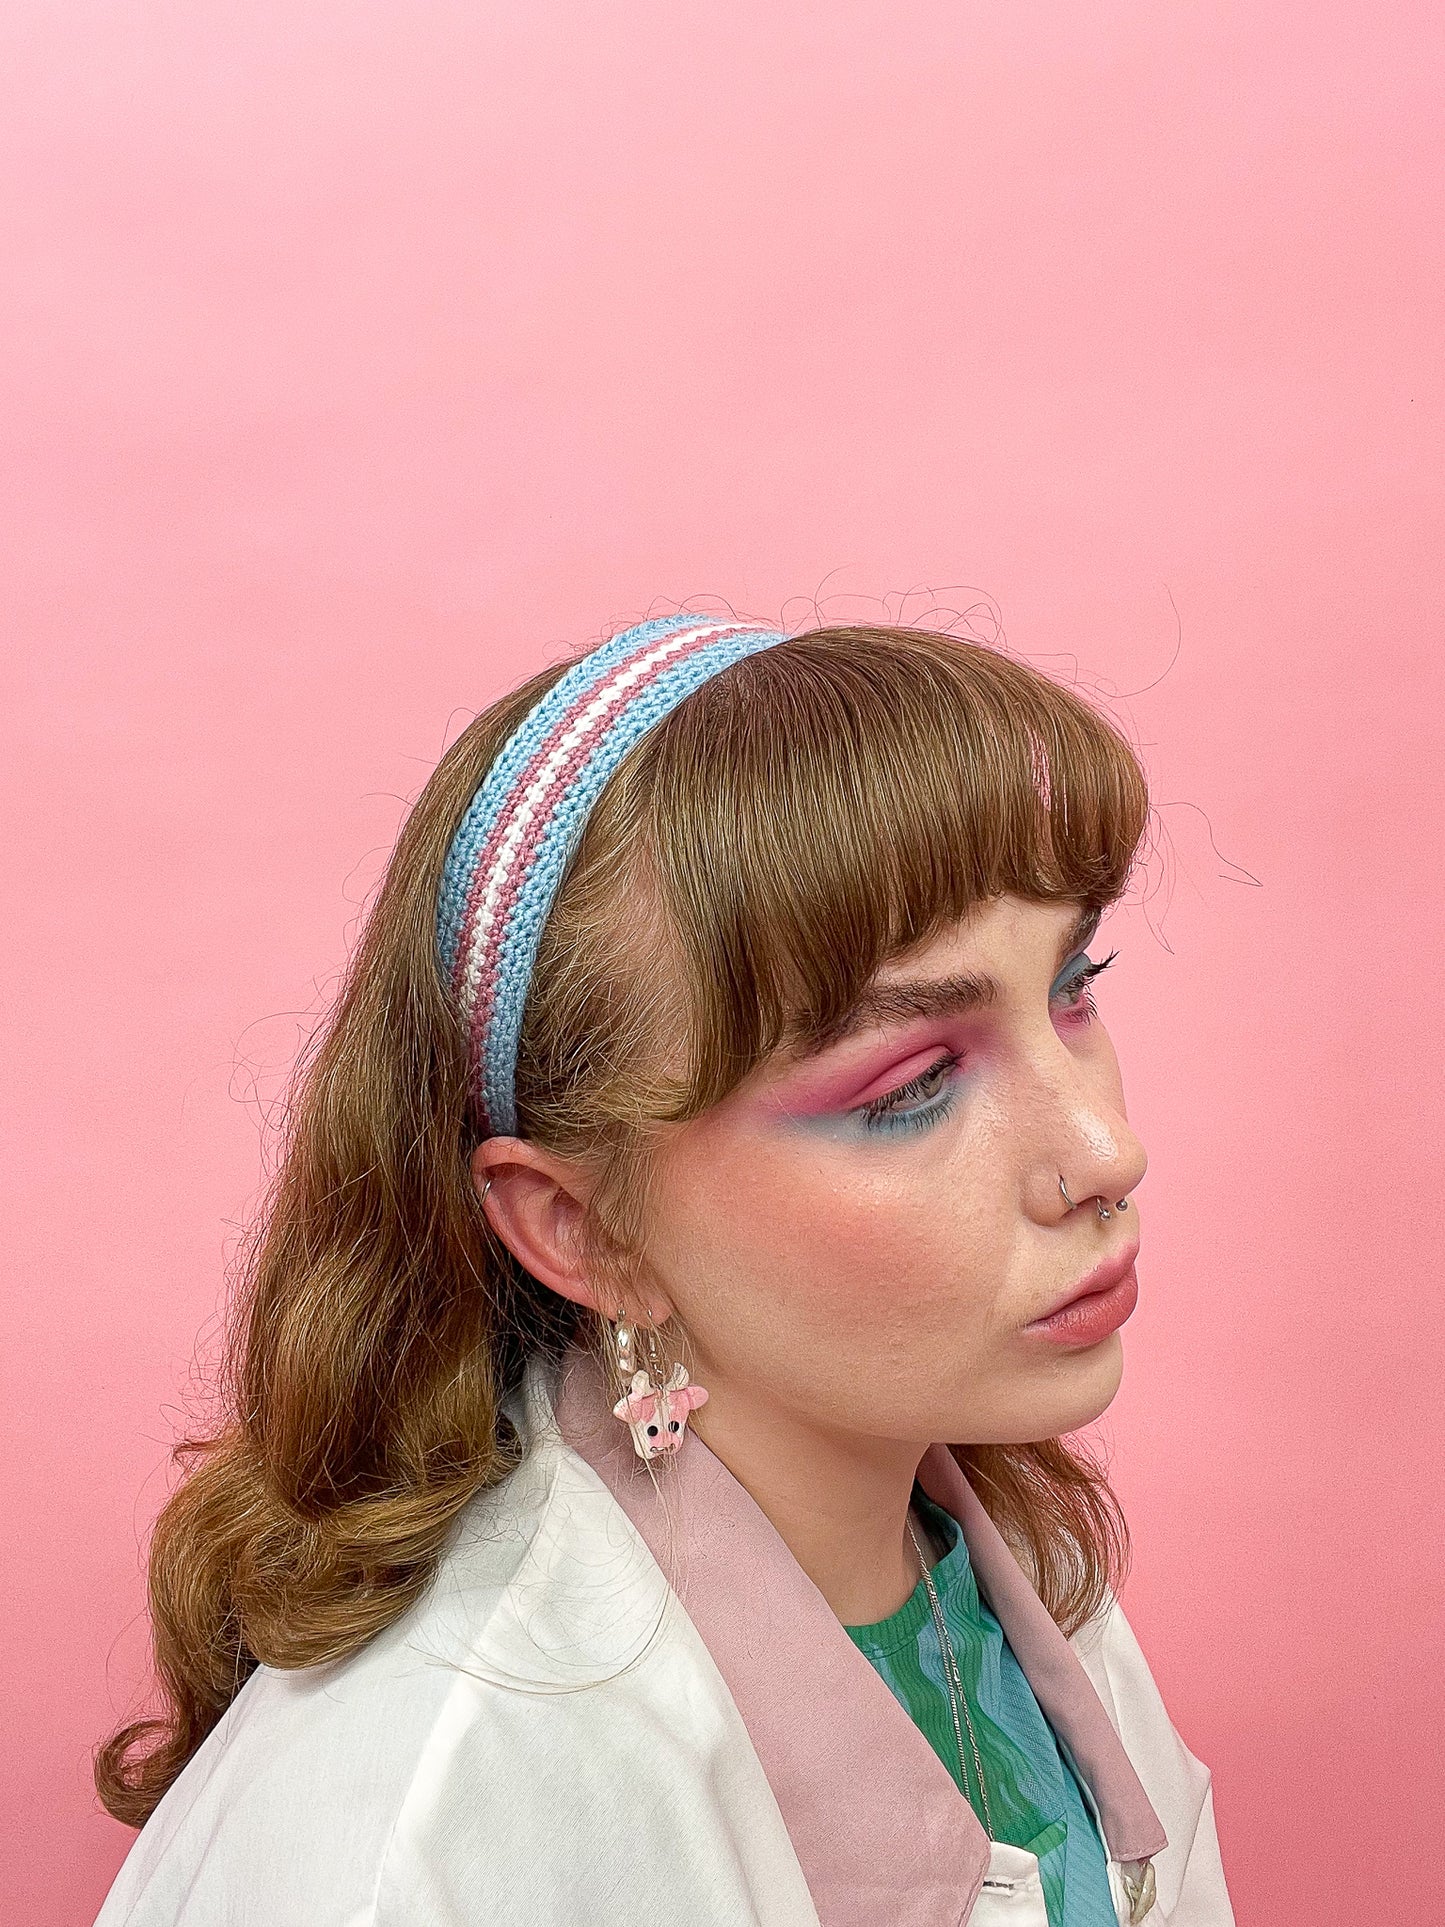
x,y
1033,1794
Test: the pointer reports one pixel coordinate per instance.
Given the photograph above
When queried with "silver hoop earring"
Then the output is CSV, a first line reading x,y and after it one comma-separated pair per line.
x,y
482,1194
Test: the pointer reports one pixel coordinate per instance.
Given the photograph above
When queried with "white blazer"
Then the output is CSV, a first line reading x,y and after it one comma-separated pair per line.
x,y
618,1707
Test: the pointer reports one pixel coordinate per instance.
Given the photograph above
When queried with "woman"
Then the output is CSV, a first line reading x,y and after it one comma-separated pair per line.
x,y
706,1211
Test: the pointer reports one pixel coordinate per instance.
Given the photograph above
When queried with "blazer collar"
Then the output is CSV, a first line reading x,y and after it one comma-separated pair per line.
x,y
879,1827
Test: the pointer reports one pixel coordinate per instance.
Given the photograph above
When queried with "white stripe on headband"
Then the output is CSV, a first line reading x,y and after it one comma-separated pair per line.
x,y
512,846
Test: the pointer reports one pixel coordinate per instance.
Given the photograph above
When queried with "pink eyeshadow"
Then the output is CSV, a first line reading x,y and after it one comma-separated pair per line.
x,y
854,1084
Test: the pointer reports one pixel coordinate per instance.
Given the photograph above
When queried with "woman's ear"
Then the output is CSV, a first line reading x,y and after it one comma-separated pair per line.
x,y
538,1204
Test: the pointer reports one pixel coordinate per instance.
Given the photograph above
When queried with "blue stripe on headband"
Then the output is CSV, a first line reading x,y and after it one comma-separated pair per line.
x,y
493,1008
485,807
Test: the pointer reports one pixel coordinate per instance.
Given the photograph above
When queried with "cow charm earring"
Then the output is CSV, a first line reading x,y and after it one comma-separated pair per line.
x,y
657,1412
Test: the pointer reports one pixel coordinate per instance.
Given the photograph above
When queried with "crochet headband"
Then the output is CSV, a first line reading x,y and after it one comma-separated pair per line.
x,y
510,850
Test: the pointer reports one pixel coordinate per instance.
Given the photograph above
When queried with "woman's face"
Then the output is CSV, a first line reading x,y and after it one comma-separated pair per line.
x,y
865,1237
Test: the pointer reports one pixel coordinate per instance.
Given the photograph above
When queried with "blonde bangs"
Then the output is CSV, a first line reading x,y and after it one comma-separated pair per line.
x,y
826,804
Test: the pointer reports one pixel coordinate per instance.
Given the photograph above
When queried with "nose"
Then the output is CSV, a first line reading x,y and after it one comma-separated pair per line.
x,y
1085,1152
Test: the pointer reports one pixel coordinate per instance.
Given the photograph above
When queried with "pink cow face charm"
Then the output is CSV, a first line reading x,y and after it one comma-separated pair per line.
x,y
657,1414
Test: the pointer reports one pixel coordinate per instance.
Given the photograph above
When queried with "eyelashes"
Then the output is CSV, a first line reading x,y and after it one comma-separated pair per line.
x,y
887,1113
928,1098
1079,979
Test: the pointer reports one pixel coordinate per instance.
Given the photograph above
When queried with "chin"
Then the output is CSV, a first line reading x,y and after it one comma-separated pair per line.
x,y
1079,1388
1087,1383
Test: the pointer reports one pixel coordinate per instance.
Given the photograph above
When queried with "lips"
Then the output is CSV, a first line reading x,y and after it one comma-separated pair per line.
x,y
1102,1278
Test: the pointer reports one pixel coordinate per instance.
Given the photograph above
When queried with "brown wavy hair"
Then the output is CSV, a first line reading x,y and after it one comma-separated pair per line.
x,y
809,813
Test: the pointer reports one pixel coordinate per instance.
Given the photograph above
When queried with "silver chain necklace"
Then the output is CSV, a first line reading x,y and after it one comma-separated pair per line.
x,y
952,1679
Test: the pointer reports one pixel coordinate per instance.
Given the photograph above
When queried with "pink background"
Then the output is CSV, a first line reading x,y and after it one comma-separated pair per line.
x,y
360,357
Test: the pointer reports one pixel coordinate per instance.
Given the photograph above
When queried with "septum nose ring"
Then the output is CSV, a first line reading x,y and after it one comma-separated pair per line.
x,y
1121,1204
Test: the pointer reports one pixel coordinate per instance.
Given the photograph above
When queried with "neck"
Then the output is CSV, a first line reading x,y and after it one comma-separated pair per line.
x,y
840,1502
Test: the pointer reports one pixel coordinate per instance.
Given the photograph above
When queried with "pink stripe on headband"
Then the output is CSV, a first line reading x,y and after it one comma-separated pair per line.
x,y
508,856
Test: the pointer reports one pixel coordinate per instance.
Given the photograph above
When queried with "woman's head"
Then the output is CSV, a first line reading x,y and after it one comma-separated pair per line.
x,y
810,1042
822,822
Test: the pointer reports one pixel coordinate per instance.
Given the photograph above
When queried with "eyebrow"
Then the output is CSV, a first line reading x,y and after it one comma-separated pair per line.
x,y
951,996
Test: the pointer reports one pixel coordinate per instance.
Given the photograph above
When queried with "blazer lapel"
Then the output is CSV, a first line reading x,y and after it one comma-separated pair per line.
x,y
879,1827
1132,1829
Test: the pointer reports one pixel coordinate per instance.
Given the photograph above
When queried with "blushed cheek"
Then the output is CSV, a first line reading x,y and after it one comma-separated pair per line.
x,y
785,1238
809,1221
771,1222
